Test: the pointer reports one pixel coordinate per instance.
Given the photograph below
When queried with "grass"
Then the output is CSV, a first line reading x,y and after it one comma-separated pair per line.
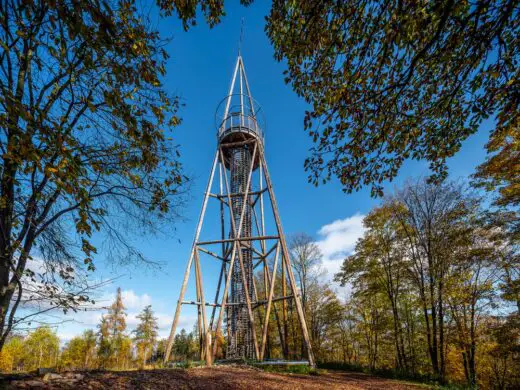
x,y
185,364
301,369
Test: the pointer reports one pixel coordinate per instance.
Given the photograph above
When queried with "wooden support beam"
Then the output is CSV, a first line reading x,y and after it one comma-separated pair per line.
x,y
267,281
236,144
199,312
269,301
236,194
264,301
223,249
285,252
284,309
258,238
216,196
188,266
265,254
198,303
211,253
205,346
258,196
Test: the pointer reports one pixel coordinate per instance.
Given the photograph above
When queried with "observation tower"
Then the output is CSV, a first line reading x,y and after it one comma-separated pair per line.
x,y
252,249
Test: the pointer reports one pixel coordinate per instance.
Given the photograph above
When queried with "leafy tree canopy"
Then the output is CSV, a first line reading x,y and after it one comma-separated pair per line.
x,y
85,139
397,80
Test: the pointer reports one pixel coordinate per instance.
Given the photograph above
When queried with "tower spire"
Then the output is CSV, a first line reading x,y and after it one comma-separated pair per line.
x,y
239,98
241,37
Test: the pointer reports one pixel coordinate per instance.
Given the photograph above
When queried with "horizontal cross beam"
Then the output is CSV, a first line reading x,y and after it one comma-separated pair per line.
x,y
257,238
213,254
235,144
235,194
258,303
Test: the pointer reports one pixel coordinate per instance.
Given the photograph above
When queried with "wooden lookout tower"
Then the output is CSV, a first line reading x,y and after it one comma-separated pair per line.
x,y
251,246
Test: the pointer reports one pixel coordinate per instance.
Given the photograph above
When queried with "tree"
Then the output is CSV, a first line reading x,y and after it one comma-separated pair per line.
x,y
85,125
432,291
115,328
501,170
433,219
371,312
470,288
11,357
41,349
185,346
430,249
506,352
146,333
89,339
306,260
123,352
348,343
379,264
324,314
79,353
160,350
73,355
391,81
105,348
116,316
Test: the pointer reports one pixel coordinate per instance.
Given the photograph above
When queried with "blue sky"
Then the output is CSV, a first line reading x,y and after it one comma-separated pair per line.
x,y
199,71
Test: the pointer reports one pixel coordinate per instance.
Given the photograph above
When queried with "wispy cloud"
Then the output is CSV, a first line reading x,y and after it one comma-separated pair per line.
x,y
338,240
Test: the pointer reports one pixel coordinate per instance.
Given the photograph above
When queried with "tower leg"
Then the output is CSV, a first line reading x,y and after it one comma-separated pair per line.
x,y
222,236
171,338
284,312
269,302
285,253
202,304
199,308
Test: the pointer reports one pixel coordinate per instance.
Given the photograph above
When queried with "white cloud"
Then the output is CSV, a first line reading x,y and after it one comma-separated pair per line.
x,y
131,300
338,240
135,301
74,323
134,304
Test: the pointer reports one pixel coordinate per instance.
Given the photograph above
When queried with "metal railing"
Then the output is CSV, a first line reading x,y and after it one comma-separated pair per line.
x,y
236,122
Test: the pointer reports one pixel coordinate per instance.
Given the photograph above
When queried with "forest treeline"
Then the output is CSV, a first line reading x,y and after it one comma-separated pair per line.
x,y
432,292
111,346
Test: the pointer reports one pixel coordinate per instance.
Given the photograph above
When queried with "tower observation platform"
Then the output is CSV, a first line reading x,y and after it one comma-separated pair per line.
x,y
239,118
237,126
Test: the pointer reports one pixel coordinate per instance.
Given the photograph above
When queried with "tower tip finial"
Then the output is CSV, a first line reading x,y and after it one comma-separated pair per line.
x,y
241,36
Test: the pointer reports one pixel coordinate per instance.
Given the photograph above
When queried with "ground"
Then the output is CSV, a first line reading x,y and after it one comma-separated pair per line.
x,y
206,378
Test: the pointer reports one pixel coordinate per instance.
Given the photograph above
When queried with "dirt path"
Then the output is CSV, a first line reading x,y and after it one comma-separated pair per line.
x,y
212,378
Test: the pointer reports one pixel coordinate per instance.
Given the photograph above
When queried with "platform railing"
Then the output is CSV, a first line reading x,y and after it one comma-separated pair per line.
x,y
237,122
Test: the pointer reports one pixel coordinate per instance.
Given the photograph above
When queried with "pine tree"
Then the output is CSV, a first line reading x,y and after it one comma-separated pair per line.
x,y
116,323
116,316
146,332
